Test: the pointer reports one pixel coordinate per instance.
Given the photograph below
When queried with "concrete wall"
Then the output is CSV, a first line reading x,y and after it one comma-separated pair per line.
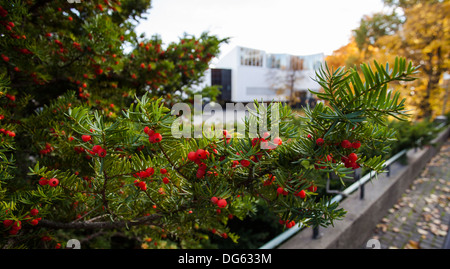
x,y
363,215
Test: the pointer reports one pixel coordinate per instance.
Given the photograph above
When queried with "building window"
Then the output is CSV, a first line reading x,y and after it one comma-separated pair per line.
x,y
278,61
251,57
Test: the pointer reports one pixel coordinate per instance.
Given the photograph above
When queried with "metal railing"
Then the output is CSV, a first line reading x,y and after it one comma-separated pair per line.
x,y
359,184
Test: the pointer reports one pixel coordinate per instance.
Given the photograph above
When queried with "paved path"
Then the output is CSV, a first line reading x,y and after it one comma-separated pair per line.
x,y
421,217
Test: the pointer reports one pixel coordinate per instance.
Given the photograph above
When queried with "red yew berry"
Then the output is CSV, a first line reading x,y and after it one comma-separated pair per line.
x,y
301,194
142,185
356,144
163,171
245,163
277,141
280,190
224,235
312,188
7,223
346,144
46,238
201,154
101,153
200,173
17,225
5,58
222,203
150,171
165,180
70,18
43,181
34,212
96,148
3,12
53,182
146,129
155,138
34,222
353,157
86,138
290,224
214,200
320,141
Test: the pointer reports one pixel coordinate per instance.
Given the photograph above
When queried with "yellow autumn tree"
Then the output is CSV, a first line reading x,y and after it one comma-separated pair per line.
x,y
348,56
422,38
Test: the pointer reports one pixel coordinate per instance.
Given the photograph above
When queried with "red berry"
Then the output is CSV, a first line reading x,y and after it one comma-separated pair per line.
x,y
290,224
86,138
53,182
192,156
101,153
280,190
163,170
200,173
224,235
43,181
320,141
157,137
17,225
346,144
70,19
301,194
277,141
5,58
150,171
34,212
34,222
146,129
201,154
353,157
313,188
96,148
222,203
7,223
142,185
165,180
356,144
214,200
245,163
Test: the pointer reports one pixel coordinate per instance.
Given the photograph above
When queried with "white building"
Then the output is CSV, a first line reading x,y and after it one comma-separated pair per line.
x,y
247,74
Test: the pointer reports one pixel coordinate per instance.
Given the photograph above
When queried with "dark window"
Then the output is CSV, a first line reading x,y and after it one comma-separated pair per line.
x,y
222,78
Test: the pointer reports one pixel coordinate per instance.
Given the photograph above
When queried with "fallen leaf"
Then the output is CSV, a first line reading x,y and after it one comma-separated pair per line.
x,y
412,245
427,217
422,231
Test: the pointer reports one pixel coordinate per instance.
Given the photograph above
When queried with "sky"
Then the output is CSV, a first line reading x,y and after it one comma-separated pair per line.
x,y
298,27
